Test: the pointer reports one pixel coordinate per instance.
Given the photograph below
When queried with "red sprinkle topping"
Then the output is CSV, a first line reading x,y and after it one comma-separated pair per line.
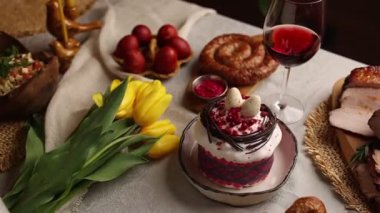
x,y
231,121
209,88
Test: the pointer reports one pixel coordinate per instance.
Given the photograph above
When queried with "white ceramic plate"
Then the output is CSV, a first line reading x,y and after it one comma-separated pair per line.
x,y
284,160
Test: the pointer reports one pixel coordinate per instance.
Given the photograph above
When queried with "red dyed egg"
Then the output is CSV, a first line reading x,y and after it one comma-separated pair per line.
x,y
142,33
134,62
165,33
166,60
181,46
127,43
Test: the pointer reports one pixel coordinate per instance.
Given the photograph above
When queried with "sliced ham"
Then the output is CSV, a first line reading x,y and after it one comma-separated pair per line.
x,y
357,107
351,119
365,98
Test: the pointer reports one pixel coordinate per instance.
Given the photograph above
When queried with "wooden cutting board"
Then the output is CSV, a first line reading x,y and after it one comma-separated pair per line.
x,y
348,142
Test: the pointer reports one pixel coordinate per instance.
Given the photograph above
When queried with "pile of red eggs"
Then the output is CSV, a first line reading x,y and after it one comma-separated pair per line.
x,y
134,51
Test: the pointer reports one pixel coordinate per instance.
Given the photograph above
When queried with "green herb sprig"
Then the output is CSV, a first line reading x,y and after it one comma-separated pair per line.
x,y
360,155
93,153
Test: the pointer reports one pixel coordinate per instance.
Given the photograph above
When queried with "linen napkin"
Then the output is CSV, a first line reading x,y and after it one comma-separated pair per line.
x,y
91,69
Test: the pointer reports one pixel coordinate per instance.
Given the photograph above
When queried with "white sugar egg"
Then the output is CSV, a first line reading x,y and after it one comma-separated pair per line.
x,y
233,98
251,106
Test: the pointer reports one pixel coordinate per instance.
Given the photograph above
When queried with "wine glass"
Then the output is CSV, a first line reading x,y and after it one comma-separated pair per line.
x,y
292,36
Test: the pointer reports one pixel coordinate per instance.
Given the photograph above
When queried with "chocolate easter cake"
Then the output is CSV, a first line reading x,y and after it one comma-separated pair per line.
x,y
236,137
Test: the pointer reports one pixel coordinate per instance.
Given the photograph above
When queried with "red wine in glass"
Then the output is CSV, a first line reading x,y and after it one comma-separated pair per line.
x,y
292,36
292,45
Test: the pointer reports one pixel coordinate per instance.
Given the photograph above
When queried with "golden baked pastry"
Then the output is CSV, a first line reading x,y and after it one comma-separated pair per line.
x,y
307,205
240,59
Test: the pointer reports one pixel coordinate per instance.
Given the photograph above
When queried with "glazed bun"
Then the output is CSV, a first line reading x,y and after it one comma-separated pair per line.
x,y
307,205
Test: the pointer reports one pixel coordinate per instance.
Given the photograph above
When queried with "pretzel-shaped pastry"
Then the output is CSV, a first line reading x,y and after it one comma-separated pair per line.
x,y
240,59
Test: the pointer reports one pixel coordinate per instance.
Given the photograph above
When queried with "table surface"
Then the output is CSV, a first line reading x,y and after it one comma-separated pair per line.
x,y
161,186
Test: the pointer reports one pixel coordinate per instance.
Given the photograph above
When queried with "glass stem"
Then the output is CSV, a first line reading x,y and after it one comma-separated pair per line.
x,y
282,105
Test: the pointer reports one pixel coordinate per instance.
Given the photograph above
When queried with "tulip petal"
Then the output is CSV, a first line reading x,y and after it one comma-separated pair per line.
x,y
130,95
98,99
124,113
147,114
115,83
146,99
151,87
163,146
140,90
159,128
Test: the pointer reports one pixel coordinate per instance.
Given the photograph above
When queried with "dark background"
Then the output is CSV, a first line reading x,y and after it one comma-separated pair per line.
x,y
352,27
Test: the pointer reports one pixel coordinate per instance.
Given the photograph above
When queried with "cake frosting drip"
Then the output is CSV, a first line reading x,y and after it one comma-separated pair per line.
x,y
242,133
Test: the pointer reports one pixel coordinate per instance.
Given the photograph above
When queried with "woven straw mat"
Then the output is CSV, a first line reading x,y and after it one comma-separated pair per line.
x,y
28,17
321,145
12,143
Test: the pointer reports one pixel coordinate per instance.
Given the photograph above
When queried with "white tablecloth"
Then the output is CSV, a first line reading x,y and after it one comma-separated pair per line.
x,y
160,186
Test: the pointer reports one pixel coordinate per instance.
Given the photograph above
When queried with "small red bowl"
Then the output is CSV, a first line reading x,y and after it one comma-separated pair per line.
x,y
209,87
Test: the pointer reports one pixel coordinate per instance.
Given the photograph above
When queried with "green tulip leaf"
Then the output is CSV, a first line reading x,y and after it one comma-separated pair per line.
x,y
105,114
116,166
143,149
34,150
92,153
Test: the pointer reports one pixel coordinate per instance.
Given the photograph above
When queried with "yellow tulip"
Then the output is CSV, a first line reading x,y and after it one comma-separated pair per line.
x,y
147,88
98,99
151,102
126,106
140,90
163,146
159,128
114,84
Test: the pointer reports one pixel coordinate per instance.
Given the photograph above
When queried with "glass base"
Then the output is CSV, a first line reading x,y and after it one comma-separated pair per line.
x,y
290,110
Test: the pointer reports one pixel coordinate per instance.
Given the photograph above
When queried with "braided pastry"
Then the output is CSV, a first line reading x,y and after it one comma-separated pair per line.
x,y
240,59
